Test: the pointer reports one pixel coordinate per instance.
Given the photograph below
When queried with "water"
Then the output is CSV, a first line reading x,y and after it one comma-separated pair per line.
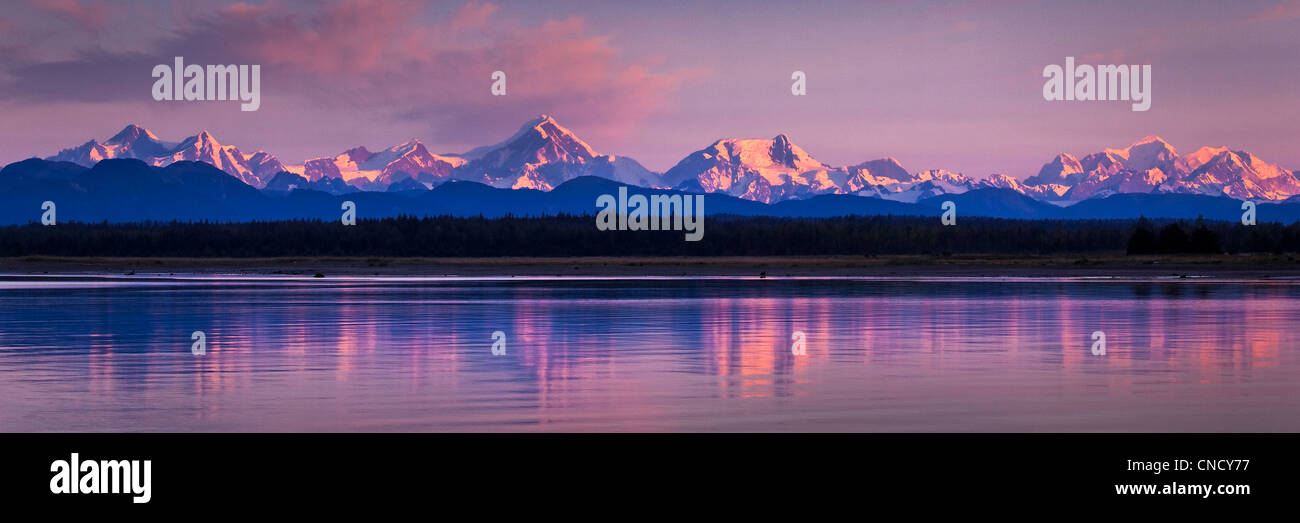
x,y
673,354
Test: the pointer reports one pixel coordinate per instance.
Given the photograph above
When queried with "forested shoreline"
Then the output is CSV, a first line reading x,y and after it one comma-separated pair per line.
x,y
569,235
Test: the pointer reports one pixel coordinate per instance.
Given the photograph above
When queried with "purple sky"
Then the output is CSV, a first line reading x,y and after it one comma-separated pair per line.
x,y
934,84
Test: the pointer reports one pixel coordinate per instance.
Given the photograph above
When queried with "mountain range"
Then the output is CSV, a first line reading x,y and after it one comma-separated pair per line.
x,y
742,176
543,154
137,142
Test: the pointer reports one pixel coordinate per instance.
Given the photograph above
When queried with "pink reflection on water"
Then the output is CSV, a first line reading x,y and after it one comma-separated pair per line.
x,y
632,356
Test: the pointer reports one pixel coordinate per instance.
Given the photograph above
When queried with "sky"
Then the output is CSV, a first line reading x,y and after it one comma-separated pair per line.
x,y
952,85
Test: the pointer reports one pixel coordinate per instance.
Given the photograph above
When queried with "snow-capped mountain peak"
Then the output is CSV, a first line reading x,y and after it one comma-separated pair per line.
x,y
878,172
1153,165
1064,169
775,156
376,170
543,128
926,184
201,142
1202,156
757,169
131,134
203,147
135,141
777,169
543,154
1149,141
1148,153
553,131
1046,192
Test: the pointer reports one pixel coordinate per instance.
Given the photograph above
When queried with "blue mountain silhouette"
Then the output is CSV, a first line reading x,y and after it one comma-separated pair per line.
x,y
128,190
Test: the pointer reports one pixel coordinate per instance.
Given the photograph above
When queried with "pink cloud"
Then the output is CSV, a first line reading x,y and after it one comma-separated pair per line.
x,y
394,57
472,14
1113,56
245,9
1282,11
89,16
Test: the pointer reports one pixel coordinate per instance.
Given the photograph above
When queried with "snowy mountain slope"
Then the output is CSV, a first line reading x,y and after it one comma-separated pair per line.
x,y
776,169
138,143
359,166
1152,165
542,155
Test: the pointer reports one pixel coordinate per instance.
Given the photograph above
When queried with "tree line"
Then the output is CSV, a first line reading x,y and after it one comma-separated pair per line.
x,y
570,235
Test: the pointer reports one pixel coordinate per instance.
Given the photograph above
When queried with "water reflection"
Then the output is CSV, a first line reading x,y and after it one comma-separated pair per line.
x,y
654,354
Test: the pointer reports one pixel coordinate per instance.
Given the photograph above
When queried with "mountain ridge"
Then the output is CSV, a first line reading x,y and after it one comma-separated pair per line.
x,y
130,190
543,154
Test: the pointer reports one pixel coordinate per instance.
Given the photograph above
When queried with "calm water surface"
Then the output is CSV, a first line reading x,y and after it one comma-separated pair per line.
x,y
708,354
